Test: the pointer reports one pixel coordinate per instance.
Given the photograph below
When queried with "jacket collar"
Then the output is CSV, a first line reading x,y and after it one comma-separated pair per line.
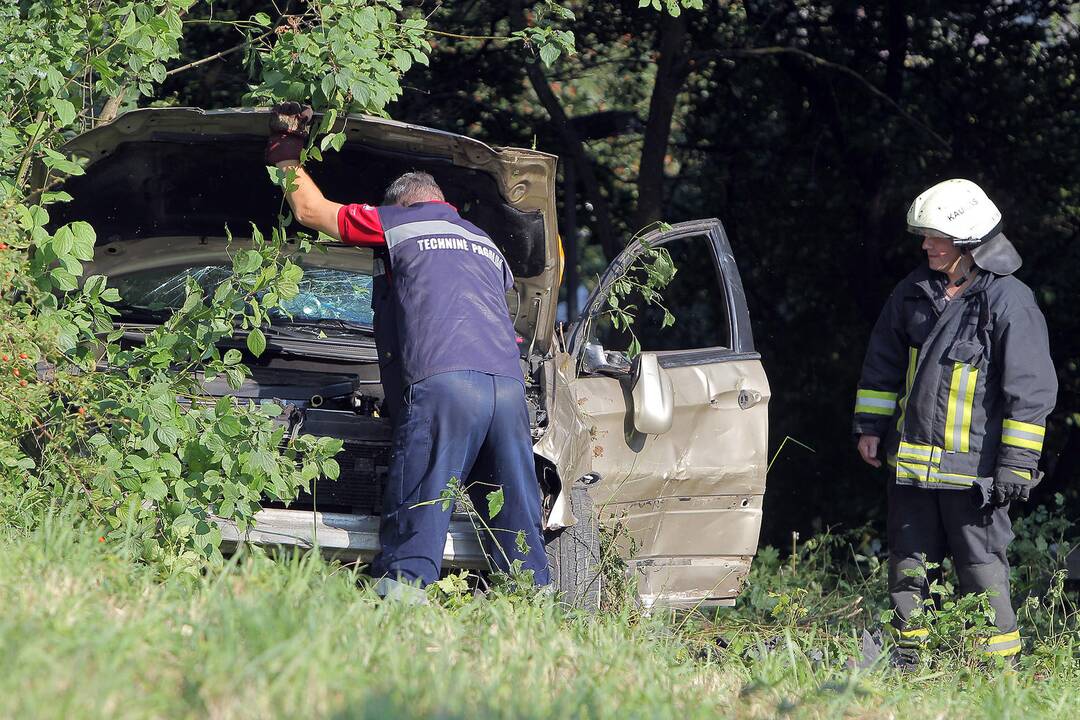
x,y
931,284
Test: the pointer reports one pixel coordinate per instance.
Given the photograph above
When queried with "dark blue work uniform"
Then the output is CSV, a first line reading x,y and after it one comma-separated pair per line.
x,y
463,411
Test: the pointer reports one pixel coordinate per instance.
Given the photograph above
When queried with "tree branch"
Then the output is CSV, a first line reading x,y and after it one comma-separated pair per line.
x,y
218,55
822,62
573,145
112,106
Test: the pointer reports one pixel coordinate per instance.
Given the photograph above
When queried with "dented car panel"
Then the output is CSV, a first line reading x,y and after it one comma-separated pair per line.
x,y
689,498
565,444
671,445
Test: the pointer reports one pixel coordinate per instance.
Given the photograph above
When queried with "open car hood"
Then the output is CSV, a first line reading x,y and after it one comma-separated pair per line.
x,y
186,172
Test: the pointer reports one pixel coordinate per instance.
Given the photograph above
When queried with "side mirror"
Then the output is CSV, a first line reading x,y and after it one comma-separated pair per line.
x,y
653,396
596,361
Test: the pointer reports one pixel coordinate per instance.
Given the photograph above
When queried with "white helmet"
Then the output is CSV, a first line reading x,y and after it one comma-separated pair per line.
x,y
957,209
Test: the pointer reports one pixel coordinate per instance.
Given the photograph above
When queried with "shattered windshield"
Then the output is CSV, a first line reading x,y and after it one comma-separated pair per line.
x,y
325,293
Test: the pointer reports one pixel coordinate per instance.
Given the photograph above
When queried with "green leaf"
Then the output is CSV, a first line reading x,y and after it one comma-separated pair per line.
x,y
328,121
495,502
60,163
234,376
261,461
84,239
64,280
256,342
261,19
93,285
55,196
230,426
168,436
64,110
169,463
232,356
550,53
402,59
327,86
183,524
247,261
155,489
110,295
63,241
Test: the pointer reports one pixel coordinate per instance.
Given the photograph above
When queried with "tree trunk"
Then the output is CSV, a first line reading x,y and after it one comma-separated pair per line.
x,y
671,71
572,145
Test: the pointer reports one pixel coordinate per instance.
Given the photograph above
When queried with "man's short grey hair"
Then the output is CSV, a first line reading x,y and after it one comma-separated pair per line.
x,y
413,187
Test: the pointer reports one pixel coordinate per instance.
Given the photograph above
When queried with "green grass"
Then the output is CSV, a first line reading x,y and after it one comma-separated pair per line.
x,y
86,633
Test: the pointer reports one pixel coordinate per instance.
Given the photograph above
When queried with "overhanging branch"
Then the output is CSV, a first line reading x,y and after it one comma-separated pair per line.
x,y
843,69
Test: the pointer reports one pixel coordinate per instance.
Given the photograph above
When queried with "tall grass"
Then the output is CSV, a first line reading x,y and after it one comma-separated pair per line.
x,y
85,632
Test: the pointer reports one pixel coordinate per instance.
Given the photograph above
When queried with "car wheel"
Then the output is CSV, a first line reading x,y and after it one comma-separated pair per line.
x,y
574,555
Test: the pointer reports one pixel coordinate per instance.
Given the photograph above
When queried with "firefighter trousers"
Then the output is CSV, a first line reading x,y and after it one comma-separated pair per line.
x,y
923,526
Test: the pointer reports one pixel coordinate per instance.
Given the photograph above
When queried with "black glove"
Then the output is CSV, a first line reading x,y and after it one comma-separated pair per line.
x,y
1013,484
290,123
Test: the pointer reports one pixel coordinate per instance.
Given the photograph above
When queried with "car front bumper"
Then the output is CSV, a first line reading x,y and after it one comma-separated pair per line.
x,y
339,536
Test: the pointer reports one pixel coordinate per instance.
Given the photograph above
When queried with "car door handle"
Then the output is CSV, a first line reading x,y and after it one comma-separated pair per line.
x,y
749,398
745,399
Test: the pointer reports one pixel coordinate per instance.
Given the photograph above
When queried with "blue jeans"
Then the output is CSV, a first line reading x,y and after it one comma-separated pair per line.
x,y
461,424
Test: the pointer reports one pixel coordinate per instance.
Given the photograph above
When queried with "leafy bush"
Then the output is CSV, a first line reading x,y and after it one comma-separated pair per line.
x,y
832,588
117,429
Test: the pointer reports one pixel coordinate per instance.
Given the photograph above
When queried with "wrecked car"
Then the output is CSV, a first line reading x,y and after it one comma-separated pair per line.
x,y
665,452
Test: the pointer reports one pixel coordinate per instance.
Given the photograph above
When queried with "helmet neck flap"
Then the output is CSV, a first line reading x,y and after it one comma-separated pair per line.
x,y
997,255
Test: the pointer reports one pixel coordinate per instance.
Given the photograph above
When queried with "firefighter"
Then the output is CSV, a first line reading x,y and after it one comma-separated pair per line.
x,y
954,394
442,312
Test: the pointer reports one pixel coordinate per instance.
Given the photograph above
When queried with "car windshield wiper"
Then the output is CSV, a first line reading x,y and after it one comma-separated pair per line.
x,y
138,313
321,323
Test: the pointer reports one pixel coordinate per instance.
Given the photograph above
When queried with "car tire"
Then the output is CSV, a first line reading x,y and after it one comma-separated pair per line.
x,y
574,555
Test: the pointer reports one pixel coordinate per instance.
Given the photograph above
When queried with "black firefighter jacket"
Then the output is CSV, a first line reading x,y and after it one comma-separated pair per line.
x,y
958,388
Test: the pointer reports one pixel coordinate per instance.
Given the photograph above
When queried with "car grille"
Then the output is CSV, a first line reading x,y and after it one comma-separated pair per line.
x,y
358,489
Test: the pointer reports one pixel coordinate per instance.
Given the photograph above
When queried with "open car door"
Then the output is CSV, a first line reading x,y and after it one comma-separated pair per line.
x,y
679,432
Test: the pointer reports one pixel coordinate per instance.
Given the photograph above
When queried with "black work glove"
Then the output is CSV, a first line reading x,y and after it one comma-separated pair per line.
x,y
1013,484
290,123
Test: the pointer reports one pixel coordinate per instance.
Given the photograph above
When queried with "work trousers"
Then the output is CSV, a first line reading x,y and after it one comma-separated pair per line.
x,y
461,424
926,524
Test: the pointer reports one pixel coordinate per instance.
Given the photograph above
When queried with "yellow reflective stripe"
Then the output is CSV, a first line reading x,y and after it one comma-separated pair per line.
x,y
909,380
910,638
953,479
912,451
912,470
875,402
1023,435
921,462
968,406
1023,474
1005,644
961,401
952,406
1006,652
1024,427
1035,445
